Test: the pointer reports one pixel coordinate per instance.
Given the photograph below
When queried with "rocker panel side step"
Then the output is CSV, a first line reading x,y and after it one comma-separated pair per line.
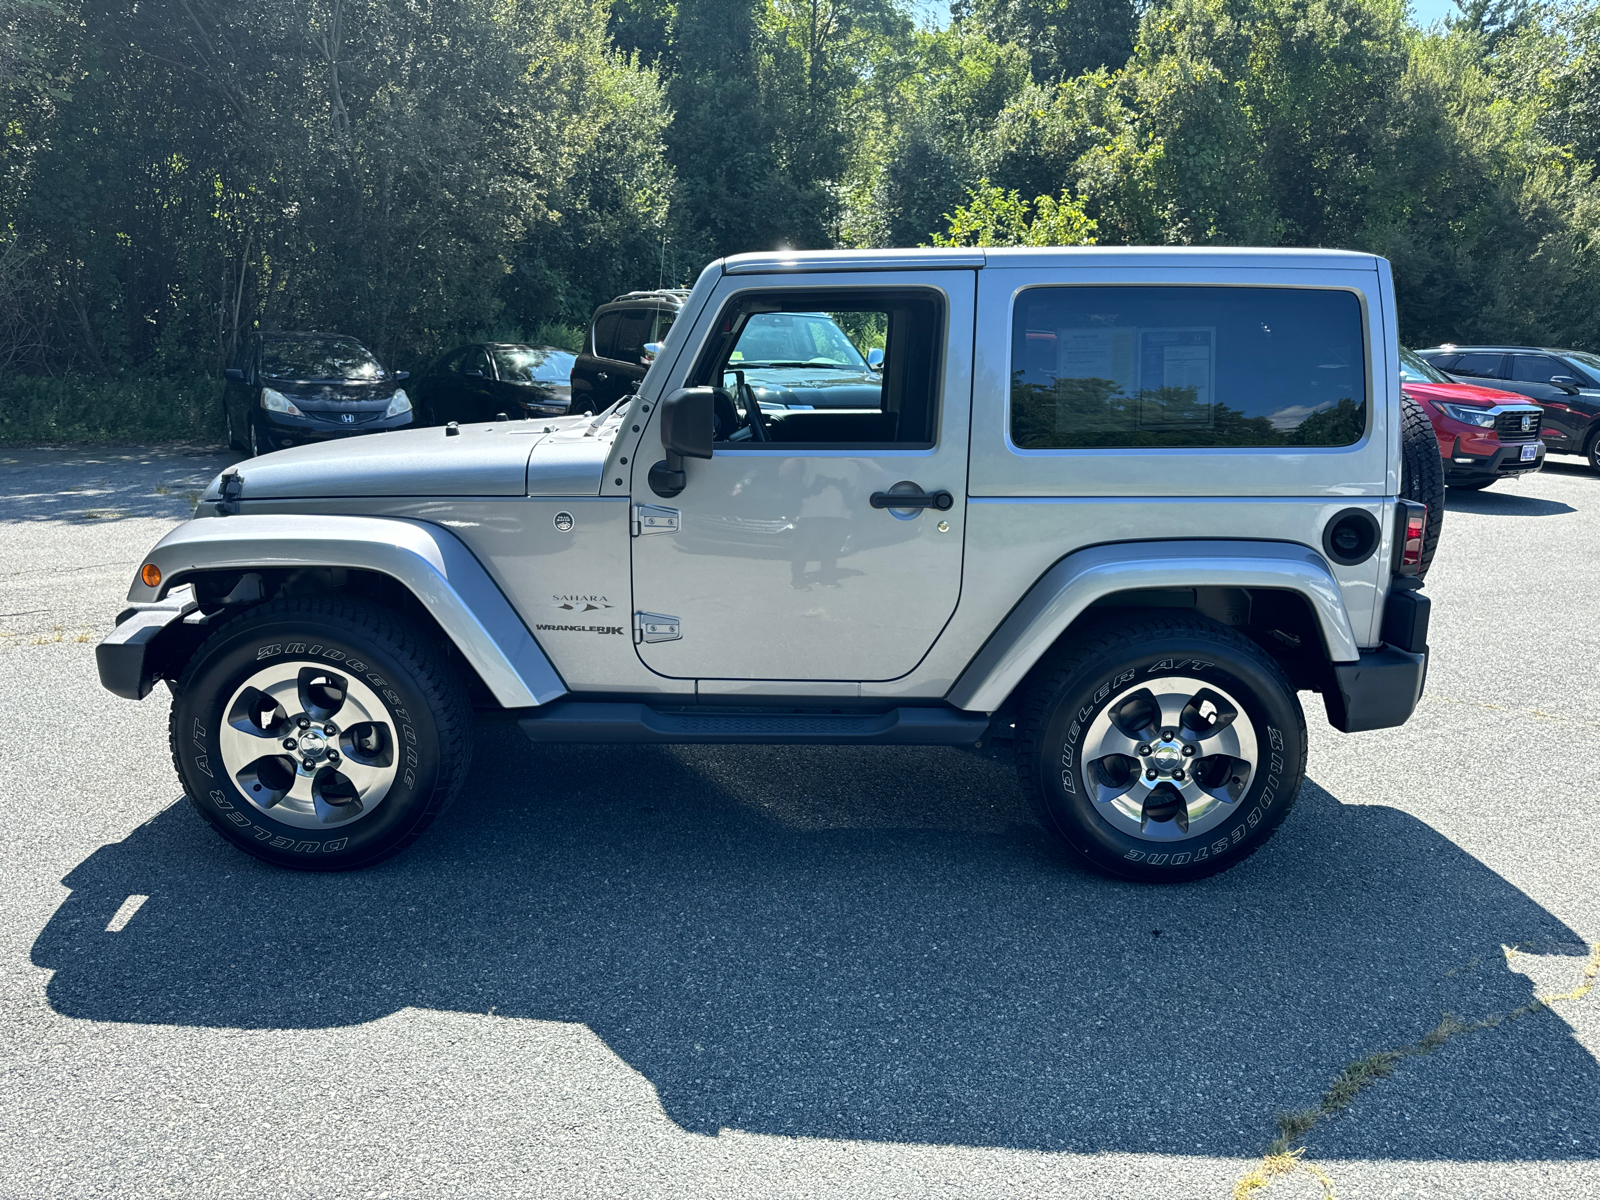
x,y
587,721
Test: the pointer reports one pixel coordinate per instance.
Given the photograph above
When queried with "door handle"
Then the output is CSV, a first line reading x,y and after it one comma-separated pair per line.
x,y
601,375
941,500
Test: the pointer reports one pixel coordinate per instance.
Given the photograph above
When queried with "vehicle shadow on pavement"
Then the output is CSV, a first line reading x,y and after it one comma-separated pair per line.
x,y
805,941
1504,504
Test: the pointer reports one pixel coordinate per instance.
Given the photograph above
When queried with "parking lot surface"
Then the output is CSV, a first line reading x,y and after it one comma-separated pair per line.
x,y
795,971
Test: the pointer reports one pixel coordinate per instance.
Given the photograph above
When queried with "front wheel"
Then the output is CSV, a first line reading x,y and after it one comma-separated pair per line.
x,y
1161,750
319,734
1592,452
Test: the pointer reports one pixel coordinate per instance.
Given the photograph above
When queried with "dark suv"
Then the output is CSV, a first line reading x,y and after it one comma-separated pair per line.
x,y
286,389
615,351
1565,383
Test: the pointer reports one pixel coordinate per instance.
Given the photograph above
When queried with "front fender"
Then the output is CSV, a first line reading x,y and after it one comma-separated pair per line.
x,y
430,562
1063,593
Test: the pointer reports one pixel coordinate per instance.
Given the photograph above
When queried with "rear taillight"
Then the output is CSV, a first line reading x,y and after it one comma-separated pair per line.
x,y
1411,527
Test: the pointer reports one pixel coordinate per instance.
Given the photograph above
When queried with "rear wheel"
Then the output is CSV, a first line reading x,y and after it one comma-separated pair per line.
x,y
319,734
1592,451
227,420
1422,472
1161,750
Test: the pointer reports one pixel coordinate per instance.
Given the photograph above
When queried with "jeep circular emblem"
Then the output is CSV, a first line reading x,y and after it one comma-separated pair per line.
x,y
563,521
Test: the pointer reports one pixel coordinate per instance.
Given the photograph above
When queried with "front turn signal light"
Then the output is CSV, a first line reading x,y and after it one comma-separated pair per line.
x,y
150,575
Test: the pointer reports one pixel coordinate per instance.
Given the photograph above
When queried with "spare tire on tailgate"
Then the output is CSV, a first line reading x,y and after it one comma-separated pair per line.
x,y
1421,472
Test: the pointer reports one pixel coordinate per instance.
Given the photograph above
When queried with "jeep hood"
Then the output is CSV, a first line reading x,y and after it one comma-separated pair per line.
x,y
499,458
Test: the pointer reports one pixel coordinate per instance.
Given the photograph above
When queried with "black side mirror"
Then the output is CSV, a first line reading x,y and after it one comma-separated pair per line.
x,y
233,375
1566,383
688,425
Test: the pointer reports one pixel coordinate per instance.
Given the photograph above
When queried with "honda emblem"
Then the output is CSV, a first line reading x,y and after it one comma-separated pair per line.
x,y
1527,424
350,419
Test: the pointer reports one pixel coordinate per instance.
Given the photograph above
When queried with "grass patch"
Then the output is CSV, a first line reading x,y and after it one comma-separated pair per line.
x,y
84,409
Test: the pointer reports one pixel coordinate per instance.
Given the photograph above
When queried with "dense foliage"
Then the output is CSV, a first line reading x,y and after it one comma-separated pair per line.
x,y
178,172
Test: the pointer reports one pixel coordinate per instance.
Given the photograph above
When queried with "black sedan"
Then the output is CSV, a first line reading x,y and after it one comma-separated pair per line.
x,y
286,389
484,380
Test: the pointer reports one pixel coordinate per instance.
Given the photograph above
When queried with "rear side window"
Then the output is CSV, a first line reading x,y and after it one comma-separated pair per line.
x,y
1535,368
1480,366
633,331
1136,367
605,334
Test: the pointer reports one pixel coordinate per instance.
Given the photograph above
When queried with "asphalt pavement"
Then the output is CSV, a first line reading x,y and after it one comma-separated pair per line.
x,y
793,971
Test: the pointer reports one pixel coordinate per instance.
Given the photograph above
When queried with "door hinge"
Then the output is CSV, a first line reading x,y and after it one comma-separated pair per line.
x,y
655,627
655,518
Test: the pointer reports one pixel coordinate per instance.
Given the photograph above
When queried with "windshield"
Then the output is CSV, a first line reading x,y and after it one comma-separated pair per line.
x,y
318,358
1590,362
797,340
533,364
1416,369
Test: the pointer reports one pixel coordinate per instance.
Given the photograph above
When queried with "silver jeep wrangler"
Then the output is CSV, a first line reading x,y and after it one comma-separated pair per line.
x,y
1115,507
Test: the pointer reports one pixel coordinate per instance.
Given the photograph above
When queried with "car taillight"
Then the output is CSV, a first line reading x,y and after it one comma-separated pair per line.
x,y
1411,527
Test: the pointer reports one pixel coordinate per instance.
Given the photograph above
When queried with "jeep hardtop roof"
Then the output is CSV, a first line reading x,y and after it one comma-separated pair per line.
x,y
927,259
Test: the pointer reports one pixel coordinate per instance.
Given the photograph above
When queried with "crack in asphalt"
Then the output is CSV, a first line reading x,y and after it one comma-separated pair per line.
x,y
1285,1155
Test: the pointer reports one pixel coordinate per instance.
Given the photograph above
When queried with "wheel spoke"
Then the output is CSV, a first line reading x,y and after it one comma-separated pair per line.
x,y
1108,741
242,746
368,781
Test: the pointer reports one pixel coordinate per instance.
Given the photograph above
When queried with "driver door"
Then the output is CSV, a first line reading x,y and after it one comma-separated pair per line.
x,y
775,563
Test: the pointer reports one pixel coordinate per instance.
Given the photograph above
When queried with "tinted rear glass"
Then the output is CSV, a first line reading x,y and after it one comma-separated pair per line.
x,y
605,335
1536,368
529,364
1105,367
318,358
1416,369
633,331
1481,366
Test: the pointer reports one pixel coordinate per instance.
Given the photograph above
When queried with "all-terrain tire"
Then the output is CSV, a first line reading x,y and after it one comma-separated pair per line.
x,y
316,699
1422,472
1100,687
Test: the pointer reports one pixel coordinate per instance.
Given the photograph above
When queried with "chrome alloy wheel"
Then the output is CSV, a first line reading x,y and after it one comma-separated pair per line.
x,y
1169,759
309,746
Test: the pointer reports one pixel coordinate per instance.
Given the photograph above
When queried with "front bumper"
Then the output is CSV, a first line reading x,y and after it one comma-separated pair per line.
x,y
1494,461
129,657
279,430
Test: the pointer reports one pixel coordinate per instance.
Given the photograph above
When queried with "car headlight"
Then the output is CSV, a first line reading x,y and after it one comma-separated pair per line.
x,y
1468,416
400,404
279,403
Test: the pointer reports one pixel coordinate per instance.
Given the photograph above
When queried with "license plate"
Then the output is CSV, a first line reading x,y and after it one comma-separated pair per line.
x,y
1529,453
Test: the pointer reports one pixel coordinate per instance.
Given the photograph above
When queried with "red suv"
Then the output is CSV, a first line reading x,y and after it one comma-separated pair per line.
x,y
1484,435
